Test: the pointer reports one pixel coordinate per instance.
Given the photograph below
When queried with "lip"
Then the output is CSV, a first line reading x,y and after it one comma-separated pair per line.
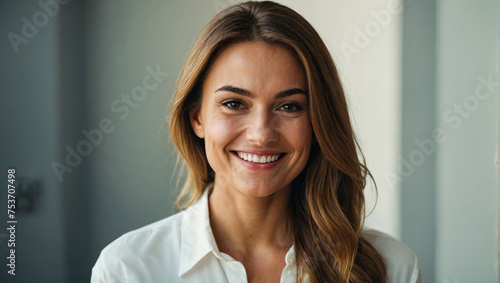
x,y
259,166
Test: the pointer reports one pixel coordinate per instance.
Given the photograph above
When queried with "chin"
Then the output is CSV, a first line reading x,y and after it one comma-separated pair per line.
x,y
261,190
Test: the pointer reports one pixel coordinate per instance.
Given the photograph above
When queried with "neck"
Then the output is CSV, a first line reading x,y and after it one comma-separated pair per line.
x,y
241,223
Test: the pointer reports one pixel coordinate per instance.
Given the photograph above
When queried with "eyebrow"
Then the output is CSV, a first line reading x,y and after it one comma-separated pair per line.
x,y
244,92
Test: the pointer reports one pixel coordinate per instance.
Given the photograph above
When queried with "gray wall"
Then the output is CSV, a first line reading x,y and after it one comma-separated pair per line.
x,y
450,197
131,180
29,123
467,175
418,188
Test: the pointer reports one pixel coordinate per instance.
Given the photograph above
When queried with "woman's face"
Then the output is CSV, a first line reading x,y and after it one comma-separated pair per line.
x,y
254,118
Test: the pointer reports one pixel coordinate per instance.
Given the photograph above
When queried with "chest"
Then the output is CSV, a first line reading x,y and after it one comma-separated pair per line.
x,y
264,270
264,266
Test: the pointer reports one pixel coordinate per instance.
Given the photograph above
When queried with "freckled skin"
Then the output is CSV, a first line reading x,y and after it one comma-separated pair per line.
x,y
260,124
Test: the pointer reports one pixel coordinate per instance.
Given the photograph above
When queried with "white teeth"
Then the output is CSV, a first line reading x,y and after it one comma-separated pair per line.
x,y
258,159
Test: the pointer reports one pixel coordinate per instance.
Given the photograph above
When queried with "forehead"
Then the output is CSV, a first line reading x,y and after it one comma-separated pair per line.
x,y
256,65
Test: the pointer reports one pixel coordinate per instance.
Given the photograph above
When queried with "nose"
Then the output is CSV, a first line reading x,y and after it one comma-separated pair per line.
x,y
262,128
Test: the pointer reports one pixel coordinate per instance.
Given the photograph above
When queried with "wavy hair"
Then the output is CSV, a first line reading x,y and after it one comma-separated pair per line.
x,y
327,205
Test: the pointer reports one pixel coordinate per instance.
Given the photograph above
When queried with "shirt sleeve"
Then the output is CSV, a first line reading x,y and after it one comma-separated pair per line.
x,y
417,273
111,270
100,273
401,262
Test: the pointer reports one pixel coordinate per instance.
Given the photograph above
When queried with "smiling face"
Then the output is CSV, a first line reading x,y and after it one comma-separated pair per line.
x,y
254,118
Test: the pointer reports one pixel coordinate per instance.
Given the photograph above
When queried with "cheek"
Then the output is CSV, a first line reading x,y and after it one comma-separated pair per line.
x,y
221,127
219,132
299,134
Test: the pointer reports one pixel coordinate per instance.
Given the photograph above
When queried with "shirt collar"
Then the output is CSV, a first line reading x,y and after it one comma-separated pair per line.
x,y
197,239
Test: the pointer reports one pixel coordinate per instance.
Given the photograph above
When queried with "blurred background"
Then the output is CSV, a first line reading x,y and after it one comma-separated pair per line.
x,y
84,92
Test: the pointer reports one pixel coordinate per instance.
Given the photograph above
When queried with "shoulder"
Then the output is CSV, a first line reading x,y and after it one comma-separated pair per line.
x,y
401,262
150,236
135,254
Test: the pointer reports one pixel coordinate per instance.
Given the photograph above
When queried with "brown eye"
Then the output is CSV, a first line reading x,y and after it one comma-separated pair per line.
x,y
233,105
290,107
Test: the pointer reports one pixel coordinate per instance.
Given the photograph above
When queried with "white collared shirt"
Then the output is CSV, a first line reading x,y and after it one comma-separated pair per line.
x,y
182,248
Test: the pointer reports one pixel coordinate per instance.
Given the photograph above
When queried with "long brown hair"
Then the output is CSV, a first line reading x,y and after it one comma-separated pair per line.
x,y
327,204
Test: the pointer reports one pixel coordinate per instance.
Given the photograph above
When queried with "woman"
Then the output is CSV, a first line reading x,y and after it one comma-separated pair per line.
x,y
274,191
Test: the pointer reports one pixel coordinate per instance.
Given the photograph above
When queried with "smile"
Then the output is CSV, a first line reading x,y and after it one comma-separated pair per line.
x,y
255,158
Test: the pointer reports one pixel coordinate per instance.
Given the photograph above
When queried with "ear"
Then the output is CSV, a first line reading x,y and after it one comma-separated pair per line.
x,y
196,123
